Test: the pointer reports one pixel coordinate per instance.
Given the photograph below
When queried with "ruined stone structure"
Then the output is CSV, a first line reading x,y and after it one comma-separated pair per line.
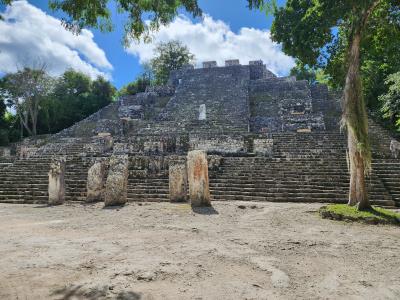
x,y
267,138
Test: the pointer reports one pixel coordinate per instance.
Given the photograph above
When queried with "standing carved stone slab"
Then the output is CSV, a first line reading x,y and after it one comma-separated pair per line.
x,y
178,182
197,166
57,181
96,180
117,181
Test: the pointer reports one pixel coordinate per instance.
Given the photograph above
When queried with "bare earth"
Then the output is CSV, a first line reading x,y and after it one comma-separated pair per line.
x,y
168,251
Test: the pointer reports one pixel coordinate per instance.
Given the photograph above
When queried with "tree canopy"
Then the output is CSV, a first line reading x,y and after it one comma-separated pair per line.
x,y
169,56
58,102
391,99
312,74
140,84
24,91
97,14
75,97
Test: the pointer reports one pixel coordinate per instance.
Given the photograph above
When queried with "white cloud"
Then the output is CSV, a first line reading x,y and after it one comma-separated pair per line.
x,y
29,35
214,40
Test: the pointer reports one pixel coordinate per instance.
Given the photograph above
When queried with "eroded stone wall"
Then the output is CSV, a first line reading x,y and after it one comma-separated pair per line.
x,y
217,143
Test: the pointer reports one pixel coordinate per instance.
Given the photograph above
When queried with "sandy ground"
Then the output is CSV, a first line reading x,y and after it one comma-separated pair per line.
x,y
168,251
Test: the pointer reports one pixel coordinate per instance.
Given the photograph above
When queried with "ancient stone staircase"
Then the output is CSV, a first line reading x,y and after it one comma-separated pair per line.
x,y
152,189
224,94
388,171
148,179
295,180
307,167
25,181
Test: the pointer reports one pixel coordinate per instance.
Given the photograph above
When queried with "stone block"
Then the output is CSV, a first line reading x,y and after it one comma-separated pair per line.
x,y
56,186
263,146
304,130
26,151
209,64
96,180
117,181
178,182
202,112
256,63
232,62
5,152
197,167
212,143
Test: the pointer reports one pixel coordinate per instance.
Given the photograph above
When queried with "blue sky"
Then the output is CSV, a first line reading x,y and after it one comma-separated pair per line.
x,y
230,30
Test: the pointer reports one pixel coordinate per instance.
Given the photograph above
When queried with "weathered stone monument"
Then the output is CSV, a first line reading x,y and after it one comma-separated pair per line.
x,y
117,181
197,167
202,112
178,182
96,181
57,181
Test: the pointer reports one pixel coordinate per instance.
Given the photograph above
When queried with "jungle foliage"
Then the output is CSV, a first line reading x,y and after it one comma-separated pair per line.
x,y
59,102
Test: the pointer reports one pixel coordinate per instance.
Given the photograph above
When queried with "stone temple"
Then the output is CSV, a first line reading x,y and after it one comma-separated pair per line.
x,y
267,138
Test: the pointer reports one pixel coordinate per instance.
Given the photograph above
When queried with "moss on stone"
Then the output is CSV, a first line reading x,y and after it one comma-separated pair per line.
x,y
376,215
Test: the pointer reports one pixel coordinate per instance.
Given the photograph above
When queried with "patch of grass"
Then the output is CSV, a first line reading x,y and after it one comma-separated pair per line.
x,y
375,215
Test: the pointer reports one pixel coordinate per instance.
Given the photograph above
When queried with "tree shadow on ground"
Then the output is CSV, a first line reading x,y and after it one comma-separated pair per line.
x,y
75,292
205,210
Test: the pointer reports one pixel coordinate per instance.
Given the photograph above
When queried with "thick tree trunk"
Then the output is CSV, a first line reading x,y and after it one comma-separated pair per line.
x,y
353,168
351,110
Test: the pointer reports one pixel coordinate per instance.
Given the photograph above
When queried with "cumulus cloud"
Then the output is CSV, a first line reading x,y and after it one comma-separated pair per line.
x,y
29,36
214,40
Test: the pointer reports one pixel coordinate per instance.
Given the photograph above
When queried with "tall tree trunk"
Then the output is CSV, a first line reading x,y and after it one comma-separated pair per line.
x,y
24,120
354,115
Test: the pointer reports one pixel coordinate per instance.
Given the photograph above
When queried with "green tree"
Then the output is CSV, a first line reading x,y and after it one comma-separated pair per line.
x,y
313,75
134,87
102,93
379,56
303,72
306,28
24,91
97,14
140,84
3,122
75,97
391,99
168,57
